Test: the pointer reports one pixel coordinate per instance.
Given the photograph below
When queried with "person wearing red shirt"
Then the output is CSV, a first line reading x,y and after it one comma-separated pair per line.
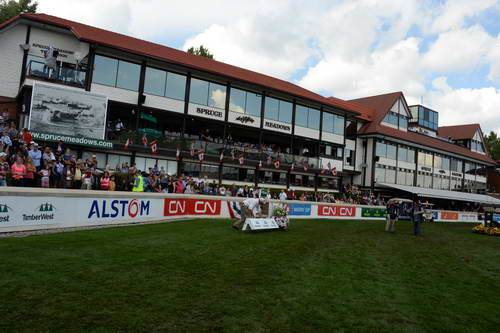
x,y
18,170
27,137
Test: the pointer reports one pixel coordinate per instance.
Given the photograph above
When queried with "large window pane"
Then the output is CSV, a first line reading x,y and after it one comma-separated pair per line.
x,y
402,154
217,96
313,120
176,86
327,122
105,70
128,75
198,92
391,152
338,125
237,100
154,82
253,105
411,156
285,112
301,115
381,149
271,109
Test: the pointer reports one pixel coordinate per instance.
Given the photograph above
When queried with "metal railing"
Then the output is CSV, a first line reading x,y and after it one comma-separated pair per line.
x,y
64,75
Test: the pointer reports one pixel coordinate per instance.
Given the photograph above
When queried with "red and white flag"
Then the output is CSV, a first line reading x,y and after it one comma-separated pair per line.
x,y
178,154
292,167
221,157
241,159
201,155
154,147
145,140
277,164
334,171
260,165
127,143
192,150
269,160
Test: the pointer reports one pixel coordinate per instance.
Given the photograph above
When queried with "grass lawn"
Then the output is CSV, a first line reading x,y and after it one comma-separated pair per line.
x,y
204,276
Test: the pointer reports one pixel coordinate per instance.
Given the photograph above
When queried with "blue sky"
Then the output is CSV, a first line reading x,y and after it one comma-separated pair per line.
x,y
447,52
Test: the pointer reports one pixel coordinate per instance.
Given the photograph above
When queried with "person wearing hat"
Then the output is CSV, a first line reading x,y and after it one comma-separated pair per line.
x,y
250,208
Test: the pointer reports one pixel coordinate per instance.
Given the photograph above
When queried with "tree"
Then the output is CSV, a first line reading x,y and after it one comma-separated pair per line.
x,y
201,51
492,142
11,8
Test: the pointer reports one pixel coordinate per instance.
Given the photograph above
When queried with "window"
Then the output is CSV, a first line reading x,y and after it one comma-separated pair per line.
x,y
445,163
411,156
402,154
379,175
176,86
338,125
128,75
390,175
245,102
391,118
279,110
254,104
207,93
333,123
381,149
403,122
154,82
327,122
349,157
391,151
105,70
307,117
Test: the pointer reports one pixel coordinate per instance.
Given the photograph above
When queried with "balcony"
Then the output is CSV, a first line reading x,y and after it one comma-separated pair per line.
x,y
63,75
190,148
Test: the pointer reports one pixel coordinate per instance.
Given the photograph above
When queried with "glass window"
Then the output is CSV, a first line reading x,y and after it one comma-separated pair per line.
x,y
409,178
285,112
272,108
176,86
301,115
411,156
379,175
154,82
402,154
390,176
253,104
428,160
445,163
403,122
237,100
314,117
381,149
128,75
198,92
338,125
217,96
327,122
437,161
391,152
105,70
421,158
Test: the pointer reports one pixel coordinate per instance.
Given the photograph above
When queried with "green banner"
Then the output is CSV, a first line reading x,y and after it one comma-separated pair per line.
x,y
373,212
73,140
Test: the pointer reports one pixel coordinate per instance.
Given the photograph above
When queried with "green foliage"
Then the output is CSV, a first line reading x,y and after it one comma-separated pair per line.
x,y
492,142
203,276
201,51
11,8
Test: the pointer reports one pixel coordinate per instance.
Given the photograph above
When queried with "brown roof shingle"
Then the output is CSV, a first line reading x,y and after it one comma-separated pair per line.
x,y
458,132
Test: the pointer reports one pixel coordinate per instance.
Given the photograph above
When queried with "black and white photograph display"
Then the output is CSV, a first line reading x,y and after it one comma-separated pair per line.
x,y
64,111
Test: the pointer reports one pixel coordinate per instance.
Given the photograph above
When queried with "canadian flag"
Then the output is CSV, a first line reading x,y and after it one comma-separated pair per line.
x,y
292,167
334,171
277,164
178,154
127,143
201,155
192,150
242,159
260,165
145,140
154,147
221,157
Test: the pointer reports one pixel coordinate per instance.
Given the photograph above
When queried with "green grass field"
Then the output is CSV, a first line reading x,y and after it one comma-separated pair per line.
x,y
204,276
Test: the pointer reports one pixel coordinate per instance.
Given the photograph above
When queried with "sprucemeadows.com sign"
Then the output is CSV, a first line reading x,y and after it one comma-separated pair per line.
x,y
373,212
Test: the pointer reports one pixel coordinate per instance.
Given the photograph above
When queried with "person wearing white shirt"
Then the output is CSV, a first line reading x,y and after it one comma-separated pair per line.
x,y
283,195
250,208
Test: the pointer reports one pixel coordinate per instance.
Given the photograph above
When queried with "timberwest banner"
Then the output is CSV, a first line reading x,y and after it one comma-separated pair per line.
x,y
31,209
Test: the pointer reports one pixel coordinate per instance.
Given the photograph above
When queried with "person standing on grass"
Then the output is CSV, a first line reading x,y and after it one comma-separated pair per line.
x,y
418,213
18,170
392,215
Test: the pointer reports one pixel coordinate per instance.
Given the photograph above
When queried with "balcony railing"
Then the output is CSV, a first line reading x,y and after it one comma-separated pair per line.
x,y
64,75
251,154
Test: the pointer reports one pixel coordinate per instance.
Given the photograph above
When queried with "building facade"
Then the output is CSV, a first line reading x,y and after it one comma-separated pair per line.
x,y
118,97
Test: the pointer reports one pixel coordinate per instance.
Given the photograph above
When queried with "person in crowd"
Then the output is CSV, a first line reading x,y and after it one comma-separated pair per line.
x,y
27,137
78,174
60,148
392,214
18,170
4,169
138,182
58,172
36,155
250,208
6,140
45,176
418,213
112,183
105,179
87,180
282,195
29,179
68,176
119,127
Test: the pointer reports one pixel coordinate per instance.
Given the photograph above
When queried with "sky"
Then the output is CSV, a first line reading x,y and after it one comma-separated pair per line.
x,y
444,53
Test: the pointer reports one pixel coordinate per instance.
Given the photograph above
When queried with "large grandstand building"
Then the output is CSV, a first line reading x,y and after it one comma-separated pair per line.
x,y
203,118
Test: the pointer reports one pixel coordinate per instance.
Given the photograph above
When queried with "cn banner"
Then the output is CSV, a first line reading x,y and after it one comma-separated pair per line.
x,y
179,207
339,211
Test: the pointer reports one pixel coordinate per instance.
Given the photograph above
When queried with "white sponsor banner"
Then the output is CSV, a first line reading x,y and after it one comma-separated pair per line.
x,y
206,111
243,119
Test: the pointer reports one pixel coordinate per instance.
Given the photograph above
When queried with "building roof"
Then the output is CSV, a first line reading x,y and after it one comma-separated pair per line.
x,y
133,45
458,132
381,104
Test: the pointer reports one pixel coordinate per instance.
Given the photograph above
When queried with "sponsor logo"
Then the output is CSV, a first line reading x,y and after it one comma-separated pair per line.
x,y
441,171
4,213
44,212
277,126
373,212
207,112
298,209
336,211
469,217
449,216
428,169
174,207
118,208
456,174
245,119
